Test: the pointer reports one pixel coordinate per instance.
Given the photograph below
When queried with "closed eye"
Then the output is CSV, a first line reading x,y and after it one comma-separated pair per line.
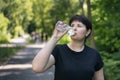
x,y
79,25
72,25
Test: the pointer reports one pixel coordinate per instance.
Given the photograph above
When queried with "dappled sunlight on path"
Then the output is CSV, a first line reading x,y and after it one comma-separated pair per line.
x,y
15,66
19,66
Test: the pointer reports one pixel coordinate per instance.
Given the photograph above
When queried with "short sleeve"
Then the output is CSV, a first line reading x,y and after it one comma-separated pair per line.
x,y
99,63
55,52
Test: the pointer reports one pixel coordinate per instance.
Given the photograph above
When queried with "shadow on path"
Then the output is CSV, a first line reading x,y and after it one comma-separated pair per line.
x,y
19,66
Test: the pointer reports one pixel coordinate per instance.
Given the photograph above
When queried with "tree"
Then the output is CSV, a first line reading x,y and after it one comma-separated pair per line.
x,y
92,42
105,17
19,15
106,21
5,36
82,5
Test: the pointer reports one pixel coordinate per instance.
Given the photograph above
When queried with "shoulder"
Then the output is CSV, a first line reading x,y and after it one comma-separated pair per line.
x,y
60,45
58,50
92,51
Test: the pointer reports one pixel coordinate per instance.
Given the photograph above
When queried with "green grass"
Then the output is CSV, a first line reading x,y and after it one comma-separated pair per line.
x,y
6,52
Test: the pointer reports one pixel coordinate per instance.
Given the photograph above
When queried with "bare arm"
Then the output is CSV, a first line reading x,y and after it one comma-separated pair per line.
x,y
43,60
99,75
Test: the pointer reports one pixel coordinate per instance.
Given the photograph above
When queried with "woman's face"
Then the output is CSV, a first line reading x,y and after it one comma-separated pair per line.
x,y
80,31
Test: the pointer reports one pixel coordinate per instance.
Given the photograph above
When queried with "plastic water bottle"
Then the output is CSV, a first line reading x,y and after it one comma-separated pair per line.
x,y
61,26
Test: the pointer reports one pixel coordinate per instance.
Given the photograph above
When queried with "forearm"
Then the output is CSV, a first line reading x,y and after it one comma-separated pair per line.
x,y
41,59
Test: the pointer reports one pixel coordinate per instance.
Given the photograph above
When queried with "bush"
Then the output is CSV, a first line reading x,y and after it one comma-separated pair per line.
x,y
111,65
4,37
6,52
65,39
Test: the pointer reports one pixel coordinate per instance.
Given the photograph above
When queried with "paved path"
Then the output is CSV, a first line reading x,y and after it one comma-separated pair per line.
x,y
19,66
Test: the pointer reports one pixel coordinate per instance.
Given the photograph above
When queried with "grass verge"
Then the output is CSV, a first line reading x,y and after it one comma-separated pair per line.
x,y
7,52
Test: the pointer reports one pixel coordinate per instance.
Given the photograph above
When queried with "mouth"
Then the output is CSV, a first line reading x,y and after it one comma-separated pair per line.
x,y
73,34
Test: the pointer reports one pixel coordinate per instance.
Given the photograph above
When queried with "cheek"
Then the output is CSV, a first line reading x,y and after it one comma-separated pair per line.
x,y
82,32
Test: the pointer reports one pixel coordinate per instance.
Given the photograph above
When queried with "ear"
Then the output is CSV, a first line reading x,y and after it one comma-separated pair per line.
x,y
88,33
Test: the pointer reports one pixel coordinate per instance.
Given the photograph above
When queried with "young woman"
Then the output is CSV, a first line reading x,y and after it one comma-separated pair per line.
x,y
75,60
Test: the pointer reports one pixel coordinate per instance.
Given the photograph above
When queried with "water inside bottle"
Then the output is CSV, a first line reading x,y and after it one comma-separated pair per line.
x,y
61,26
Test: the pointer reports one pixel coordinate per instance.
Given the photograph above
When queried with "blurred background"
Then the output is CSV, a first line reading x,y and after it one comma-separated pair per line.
x,y
32,21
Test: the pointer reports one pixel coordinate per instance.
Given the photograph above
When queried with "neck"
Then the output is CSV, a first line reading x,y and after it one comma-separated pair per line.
x,y
76,46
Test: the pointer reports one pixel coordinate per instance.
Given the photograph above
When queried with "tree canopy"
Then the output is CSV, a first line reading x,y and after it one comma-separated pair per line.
x,y
18,17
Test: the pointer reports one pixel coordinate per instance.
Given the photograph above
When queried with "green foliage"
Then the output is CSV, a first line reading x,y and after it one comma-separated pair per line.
x,y
4,35
18,31
6,52
105,17
57,12
65,39
106,24
50,11
19,12
112,70
111,65
41,21
37,16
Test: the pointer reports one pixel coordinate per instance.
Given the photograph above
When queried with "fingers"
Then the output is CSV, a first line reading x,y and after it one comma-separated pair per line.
x,y
60,29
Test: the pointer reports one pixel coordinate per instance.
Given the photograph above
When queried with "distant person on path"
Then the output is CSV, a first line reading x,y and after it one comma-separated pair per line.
x,y
33,36
42,37
37,38
46,36
74,60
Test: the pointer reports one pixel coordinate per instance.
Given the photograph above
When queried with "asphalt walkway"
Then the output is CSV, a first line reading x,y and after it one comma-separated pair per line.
x,y
19,66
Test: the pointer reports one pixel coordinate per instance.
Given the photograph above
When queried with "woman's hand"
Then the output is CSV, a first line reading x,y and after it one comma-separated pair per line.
x,y
57,34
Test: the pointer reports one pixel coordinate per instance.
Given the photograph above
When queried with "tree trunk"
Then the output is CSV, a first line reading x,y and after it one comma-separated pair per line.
x,y
92,42
81,5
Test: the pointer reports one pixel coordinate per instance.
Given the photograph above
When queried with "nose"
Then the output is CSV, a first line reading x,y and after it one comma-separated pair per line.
x,y
74,28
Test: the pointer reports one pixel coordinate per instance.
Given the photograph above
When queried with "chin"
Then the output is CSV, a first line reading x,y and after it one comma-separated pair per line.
x,y
75,38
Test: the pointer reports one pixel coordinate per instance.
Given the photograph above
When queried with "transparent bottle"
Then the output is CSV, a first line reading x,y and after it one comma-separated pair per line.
x,y
61,26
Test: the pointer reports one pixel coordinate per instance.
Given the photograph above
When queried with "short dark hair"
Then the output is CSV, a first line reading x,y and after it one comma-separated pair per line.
x,y
82,19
